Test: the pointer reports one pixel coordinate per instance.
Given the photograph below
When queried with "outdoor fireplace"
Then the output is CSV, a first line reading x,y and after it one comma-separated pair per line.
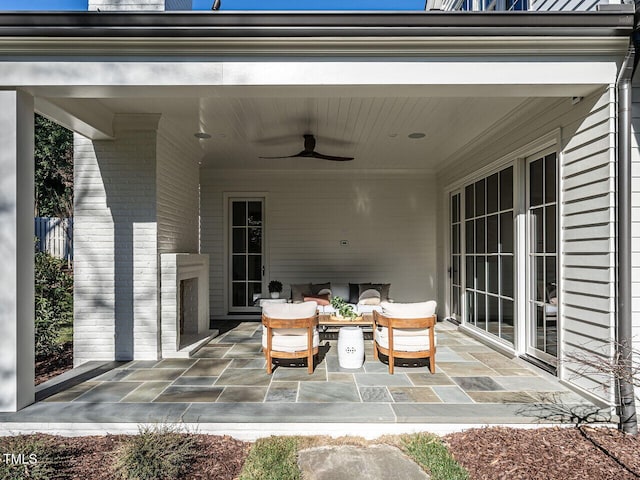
x,y
184,302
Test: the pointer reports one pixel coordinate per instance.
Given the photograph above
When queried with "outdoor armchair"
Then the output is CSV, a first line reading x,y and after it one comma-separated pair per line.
x,y
289,330
405,330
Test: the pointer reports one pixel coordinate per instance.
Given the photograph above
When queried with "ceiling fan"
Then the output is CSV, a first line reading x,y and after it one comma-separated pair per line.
x,y
310,152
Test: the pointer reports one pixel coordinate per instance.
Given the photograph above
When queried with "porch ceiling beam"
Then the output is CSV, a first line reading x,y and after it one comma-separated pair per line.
x,y
211,48
320,24
90,119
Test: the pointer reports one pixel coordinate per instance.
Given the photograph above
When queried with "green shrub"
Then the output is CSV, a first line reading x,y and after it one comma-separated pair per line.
x,y
156,453
273,458
33,458
429,451
53,303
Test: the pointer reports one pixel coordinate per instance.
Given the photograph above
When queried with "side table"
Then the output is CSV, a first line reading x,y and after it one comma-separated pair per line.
x,y
350,347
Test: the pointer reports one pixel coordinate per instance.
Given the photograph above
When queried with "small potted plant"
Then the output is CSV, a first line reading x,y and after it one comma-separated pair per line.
x,y
275,287
343,309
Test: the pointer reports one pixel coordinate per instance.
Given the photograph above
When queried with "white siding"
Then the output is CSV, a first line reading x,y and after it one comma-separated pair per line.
x,y
178,194
132,5
116,284
587,173
388,219
635,215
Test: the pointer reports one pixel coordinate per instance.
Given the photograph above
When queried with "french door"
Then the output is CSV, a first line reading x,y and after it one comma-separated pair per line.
x,y
246,253
542,291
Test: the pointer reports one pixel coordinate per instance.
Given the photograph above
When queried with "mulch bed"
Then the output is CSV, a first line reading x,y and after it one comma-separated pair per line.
x,y
52,366
547,453
82,458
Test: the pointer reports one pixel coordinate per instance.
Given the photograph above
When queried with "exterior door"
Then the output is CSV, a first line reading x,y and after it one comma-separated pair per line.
x,y
246,253
542,291
455,259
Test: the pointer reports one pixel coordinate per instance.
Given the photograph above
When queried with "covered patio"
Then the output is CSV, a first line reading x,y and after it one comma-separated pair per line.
x,y
225,387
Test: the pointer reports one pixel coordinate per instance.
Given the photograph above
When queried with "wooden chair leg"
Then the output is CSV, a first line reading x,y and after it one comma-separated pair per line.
x,y
391,362
375,350
310,362
432,362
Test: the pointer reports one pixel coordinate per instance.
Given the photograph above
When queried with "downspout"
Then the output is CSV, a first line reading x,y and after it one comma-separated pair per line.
x,y
624,386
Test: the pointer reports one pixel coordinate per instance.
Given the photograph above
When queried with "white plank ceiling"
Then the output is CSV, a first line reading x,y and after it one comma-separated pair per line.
x,y
373,129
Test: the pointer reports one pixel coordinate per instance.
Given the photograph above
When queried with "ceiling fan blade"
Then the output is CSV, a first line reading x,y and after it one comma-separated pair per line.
x,y
303,153
330,157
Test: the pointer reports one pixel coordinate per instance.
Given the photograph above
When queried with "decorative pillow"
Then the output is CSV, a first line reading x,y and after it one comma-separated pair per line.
x,y
354,291
409,310
369,297
381,288
299,290
317,287
321,300
325,291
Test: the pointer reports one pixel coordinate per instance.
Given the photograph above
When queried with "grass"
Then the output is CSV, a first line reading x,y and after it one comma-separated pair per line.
x,y
156,453
272,458
275,458
432,455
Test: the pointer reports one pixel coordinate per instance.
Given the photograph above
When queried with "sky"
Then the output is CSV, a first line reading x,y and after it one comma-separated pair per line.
x,y
236,4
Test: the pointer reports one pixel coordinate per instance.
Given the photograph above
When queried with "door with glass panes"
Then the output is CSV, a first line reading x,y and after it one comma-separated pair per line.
x,y
246,253
455,259
542,271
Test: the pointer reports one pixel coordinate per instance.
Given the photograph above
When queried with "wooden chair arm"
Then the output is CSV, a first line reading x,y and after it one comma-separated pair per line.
x,y
290,323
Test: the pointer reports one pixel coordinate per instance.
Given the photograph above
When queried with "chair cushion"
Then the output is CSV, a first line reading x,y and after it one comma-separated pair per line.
x,y
290,311
409,310
405,340
286,342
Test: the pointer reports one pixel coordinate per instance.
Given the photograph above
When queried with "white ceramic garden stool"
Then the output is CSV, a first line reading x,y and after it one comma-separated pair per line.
x,y
350,347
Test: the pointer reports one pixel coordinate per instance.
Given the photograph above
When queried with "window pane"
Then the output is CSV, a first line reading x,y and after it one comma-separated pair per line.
x,y
480,198
255,240
481,306
538,281
239,268
455,238
537,224
239,294
254,291
550,178
550,229
255,213
493,318
551,292
469,230
468,202
506,188
471,313
255,267
455,302
480,237
506,275
492,234
506,232
455,208
539,340
456,270
239,240
239,214
506,331
536,182
492,193
492,274
480,272
469,272
551,340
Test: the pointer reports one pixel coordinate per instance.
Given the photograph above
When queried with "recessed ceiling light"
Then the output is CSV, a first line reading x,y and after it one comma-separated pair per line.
x,y
202,135
416,135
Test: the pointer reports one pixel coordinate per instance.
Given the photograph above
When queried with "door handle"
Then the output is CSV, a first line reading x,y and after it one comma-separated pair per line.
x,y
263,270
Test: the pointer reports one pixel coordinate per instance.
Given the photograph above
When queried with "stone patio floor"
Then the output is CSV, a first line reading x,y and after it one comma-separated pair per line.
x,y
226,382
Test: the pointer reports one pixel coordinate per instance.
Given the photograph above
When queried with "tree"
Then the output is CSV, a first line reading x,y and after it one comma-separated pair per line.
x,y
53,169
